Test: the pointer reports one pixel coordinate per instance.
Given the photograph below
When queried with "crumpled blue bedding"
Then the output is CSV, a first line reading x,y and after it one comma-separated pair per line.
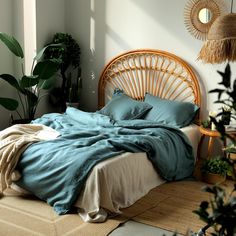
x,y
56,170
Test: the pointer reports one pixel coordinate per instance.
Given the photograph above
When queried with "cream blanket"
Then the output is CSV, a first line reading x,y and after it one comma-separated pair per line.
x,y
13,142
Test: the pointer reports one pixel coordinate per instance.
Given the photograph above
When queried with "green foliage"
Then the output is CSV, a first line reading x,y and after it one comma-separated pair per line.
x,y
226,97
28,87
220,212
206,123
217,165
12,44
69,56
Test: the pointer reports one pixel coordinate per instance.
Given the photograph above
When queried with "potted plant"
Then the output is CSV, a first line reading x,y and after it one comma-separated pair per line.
x,y
220,212
216,169
28,87
70,71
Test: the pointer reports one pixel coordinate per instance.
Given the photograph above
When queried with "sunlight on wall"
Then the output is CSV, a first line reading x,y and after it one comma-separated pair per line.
x,y
92,27
92,34
29,14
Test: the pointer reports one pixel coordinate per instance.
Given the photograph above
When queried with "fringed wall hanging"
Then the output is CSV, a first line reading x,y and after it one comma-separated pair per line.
x,y
221,40
200,14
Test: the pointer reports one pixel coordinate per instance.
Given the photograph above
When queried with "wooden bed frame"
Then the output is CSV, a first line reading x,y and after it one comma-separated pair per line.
x,y
157,72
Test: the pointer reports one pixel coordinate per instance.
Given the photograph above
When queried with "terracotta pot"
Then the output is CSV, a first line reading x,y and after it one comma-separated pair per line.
x,y
211,178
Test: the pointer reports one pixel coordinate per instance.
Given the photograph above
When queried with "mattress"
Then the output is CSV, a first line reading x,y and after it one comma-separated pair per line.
x,y
120,181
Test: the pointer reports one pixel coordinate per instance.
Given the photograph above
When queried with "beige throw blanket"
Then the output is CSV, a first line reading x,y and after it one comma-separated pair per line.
x,y
13,142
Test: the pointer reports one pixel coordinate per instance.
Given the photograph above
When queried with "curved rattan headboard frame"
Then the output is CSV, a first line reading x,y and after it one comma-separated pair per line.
x,y
157,72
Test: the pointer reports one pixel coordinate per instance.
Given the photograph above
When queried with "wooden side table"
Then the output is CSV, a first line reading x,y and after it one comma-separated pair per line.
x,y
211,134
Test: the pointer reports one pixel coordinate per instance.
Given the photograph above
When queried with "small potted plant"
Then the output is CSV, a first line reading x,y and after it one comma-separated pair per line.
x,y
216,169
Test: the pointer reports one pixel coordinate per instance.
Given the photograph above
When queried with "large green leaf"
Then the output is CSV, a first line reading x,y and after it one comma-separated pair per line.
x,y
226,76
11,80
29,81
47,84
12,44
41,52
9,103
31,98
45,69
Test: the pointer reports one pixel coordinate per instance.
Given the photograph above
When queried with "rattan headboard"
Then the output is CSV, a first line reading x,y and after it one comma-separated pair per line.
x,y
157,72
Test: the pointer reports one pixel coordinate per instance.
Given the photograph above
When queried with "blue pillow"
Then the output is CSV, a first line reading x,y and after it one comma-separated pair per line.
x,y
178,114
123,107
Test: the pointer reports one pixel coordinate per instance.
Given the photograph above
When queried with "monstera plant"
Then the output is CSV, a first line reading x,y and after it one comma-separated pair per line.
x,y
28,87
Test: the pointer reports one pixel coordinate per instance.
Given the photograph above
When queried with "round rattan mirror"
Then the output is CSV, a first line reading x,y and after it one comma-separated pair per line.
x,y
200,14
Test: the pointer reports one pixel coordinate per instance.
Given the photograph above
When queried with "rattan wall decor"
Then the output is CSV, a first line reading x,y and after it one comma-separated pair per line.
x,y
157,72
220,45
200,14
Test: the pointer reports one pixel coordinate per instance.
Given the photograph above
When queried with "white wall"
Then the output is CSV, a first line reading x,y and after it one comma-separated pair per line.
x,y
6,58
105,28
50,19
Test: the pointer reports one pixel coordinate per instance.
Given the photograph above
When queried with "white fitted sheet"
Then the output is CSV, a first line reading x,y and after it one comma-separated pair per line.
x,y
120,181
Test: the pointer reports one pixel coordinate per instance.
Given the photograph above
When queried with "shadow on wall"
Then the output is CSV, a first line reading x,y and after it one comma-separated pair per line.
x,y
91,33
164,17
107,28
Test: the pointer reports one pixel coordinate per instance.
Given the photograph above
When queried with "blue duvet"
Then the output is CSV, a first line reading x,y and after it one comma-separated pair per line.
x,y
56,170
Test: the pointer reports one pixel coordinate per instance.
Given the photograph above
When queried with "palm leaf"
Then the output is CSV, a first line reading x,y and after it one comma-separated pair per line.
x,y
12,44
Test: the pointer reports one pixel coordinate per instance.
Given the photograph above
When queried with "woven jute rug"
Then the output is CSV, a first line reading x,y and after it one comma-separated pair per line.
x,y
168,206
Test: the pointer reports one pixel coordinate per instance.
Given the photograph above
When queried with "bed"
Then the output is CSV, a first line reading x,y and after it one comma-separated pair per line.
x,y
119,181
